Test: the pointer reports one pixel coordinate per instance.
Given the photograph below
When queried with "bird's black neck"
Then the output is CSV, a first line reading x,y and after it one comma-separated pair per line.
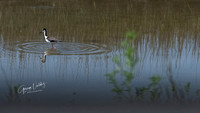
x,y
45,33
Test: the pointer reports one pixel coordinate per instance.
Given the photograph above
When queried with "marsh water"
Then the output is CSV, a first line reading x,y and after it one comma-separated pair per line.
x,y
91,31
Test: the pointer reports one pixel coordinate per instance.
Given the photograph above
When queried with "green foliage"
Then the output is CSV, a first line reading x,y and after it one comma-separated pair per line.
x,y
15,88
111,76
140,92
125,71
187,87
131,35
173,88
116,60
155,80
117,90
153,87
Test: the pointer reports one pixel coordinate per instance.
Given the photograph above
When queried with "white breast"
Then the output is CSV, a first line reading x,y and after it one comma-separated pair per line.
x,y
46,39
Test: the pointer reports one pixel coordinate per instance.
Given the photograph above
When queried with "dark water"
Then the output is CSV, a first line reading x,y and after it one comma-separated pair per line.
x,y
73,74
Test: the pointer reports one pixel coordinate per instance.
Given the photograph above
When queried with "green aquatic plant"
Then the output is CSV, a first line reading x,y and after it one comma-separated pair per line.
x,y
122,78
152,89
126,71
187,87
13,95
140,92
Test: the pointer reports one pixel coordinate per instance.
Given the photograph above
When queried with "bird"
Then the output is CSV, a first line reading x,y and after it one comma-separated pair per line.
x,y
48,39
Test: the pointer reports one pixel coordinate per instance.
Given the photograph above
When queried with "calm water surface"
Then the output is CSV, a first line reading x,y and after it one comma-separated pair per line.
x,y
91,32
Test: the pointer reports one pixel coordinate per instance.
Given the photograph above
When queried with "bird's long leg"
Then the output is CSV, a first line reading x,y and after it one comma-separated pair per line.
x,y
53,46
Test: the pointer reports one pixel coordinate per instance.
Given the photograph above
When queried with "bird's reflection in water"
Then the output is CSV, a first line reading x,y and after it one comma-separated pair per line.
x,y
51,51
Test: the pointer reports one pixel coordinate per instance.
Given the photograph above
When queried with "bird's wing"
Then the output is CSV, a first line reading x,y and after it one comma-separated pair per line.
x,y
52,39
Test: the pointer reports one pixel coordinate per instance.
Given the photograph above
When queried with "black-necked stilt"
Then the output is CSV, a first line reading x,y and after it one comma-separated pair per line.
x,y
49,39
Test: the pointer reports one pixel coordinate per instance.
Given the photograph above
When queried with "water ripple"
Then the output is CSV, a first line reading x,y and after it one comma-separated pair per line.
x,y
63,48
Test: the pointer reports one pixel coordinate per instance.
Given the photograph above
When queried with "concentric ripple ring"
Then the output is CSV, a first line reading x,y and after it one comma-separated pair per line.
x,y
64,48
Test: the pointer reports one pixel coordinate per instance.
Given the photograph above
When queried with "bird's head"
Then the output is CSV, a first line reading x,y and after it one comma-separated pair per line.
x,y
43,30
